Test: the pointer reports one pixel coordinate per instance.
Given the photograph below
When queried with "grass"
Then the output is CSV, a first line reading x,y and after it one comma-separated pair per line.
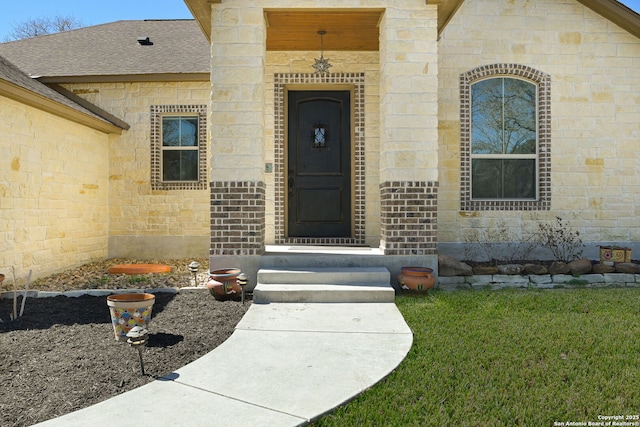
x,y
505,358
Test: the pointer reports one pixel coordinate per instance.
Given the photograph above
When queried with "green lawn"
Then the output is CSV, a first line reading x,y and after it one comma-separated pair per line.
x,y
505,358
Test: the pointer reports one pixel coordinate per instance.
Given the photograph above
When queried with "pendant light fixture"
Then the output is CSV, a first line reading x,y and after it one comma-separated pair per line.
x,y
321,65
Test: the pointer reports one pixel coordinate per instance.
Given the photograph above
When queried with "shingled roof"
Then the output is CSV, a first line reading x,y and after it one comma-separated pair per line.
x,y
17,85
177,51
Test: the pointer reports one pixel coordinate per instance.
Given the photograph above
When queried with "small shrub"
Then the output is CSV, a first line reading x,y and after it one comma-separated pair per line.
x,y
517,246
564,243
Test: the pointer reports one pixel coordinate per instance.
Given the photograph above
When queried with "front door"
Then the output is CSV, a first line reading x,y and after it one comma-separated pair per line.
x,y
319,163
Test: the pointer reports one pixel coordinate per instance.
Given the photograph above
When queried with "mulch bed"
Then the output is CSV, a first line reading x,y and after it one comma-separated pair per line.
x,y
61,355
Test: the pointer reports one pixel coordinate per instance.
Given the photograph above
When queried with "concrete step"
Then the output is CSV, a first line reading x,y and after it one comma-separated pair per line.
x,y
330,285
328,275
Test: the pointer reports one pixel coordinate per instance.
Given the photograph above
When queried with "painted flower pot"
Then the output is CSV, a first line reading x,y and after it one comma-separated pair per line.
x,y
223,284
416,279
610,255
129,310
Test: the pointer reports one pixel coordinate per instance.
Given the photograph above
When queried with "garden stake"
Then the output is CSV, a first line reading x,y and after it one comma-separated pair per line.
x,y
24,297
15,296
1,280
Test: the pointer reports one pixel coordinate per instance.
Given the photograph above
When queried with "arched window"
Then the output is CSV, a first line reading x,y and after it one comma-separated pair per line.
x,y
505,130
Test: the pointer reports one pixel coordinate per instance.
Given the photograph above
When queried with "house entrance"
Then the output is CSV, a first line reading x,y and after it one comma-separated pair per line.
x,y
319,178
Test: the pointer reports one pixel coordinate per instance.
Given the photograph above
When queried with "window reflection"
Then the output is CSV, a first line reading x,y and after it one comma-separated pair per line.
x,y
179,148
503,139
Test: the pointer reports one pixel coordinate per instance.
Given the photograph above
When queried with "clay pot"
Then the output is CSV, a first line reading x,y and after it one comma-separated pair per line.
x,y
223,284
129,310
416,278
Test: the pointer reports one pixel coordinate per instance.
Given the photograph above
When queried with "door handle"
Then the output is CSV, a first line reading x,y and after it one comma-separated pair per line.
x,y
291,185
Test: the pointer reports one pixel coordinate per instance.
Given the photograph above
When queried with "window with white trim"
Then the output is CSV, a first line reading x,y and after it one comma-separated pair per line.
x,y
179,148
503,139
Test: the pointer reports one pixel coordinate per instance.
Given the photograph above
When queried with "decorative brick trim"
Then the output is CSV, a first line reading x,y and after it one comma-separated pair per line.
x,y
156,146
281,80
543,82
237,218
409,217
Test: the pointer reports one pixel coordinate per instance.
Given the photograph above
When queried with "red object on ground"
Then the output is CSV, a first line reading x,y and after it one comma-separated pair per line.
x,y
139,268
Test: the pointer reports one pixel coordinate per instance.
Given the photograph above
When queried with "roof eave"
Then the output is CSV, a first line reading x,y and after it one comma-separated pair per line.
x,y
127,78
617,13
201,11
35,100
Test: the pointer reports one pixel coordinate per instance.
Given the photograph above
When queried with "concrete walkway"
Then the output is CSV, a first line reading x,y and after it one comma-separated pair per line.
x,y
300,361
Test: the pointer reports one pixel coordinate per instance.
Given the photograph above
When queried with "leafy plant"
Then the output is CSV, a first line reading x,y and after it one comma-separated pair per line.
x,y
564,243
136,280
98,283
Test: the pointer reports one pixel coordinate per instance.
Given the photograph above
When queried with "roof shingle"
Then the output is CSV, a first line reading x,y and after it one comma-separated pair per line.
x,y
113,50
10,73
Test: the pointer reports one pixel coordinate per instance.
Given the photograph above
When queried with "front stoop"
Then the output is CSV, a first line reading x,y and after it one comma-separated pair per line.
x,y
324,285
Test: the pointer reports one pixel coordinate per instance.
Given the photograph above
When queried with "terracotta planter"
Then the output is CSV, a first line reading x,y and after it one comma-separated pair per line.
x,y
129,310
139,268
223,284
416,279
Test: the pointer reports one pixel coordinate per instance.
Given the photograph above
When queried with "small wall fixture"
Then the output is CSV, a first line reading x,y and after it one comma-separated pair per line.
x,y
321,65
144,41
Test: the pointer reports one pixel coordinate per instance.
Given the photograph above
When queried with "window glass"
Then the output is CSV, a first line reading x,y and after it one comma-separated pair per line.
x,y
179,148
503,139
180,131
503,179
180,165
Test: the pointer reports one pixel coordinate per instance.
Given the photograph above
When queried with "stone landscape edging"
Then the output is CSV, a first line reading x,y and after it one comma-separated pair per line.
x,y
99,292
534,281
445,283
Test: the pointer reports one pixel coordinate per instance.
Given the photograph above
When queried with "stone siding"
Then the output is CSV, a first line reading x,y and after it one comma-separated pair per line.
x,y
143,222
594,68
404,73
54,181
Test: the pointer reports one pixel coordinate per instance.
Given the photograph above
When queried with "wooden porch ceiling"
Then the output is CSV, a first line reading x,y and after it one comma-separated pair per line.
x,y
297,28
346,29
308,23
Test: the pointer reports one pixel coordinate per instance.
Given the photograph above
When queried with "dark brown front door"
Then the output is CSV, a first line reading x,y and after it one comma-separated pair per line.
x,y
319,164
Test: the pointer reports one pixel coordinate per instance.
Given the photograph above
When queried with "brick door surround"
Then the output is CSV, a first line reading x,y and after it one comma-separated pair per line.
x,y
322,81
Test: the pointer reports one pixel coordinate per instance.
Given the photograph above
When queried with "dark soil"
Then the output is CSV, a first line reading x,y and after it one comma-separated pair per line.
x,y
61,355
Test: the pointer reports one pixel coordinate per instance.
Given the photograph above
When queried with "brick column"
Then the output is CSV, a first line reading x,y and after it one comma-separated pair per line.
x,y
237,130
409,129
409,213
237,218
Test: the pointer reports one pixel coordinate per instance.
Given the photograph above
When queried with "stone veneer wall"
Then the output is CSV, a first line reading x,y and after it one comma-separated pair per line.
x,y
54,181
237,218
148,220
595,84
409,217
542,281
